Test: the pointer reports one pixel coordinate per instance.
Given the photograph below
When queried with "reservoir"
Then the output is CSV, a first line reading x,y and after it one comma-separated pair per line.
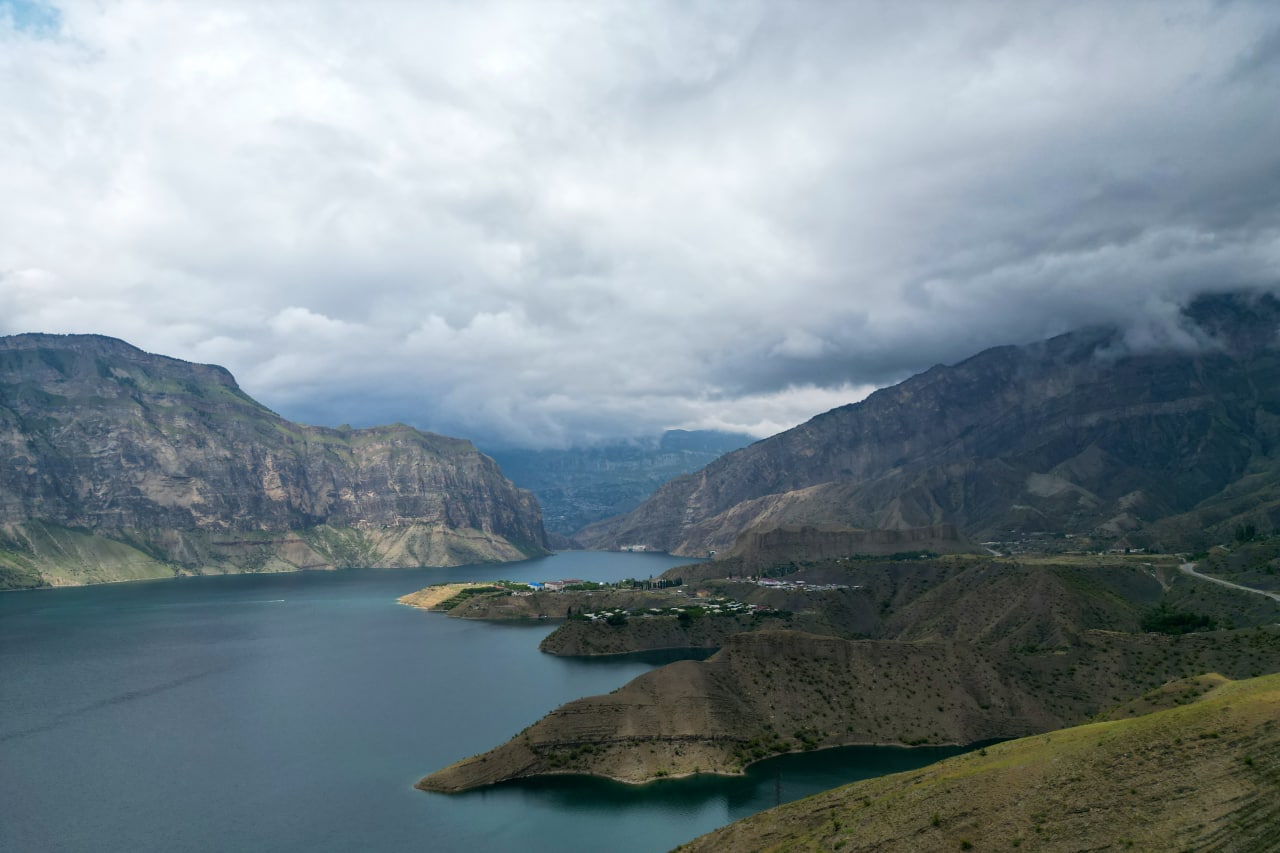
x,y
295,712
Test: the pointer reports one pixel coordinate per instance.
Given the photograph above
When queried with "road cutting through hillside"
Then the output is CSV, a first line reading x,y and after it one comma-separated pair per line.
x,y
1190,569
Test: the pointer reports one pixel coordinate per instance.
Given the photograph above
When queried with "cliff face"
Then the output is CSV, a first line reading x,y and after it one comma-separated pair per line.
x,y
102,441
1075,434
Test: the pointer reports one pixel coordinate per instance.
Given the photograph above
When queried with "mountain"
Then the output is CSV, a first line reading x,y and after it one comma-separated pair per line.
x,y
585,484
1084,433
119,464
1202,774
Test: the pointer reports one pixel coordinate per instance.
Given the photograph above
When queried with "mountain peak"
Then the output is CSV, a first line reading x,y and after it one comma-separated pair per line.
x,y
1084,432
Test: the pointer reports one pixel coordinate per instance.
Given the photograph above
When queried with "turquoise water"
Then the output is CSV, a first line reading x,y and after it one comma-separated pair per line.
x,y
295,712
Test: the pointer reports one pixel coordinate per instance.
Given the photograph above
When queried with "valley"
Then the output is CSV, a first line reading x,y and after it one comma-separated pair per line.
x,y
1039,538
580,485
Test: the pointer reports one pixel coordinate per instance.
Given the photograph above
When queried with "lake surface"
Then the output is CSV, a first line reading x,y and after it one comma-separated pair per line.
x,y
295,712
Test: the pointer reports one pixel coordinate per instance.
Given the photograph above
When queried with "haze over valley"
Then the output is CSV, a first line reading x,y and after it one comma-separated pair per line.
x,y
579,426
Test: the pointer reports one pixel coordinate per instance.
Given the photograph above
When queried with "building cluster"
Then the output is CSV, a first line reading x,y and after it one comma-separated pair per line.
x,y
802,586
717,607
556,586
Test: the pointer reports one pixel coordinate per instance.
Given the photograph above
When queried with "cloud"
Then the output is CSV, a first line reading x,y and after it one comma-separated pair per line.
x,y
561,222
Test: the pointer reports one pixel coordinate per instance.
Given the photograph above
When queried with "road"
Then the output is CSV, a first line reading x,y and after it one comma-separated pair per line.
x,y
1190,569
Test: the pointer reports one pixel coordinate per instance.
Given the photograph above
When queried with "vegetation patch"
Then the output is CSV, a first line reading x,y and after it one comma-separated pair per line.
x,y
1165,619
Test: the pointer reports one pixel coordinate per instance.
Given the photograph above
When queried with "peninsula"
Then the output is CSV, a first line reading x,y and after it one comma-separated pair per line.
x,y
936,651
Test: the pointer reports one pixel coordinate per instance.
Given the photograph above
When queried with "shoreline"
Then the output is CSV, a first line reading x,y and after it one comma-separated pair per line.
x,y
584,774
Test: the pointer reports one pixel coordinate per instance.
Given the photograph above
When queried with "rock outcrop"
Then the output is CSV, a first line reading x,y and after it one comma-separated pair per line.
x,y
121,464
1081,433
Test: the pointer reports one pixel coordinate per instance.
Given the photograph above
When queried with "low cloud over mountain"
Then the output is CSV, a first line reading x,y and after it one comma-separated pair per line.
x,y
544,224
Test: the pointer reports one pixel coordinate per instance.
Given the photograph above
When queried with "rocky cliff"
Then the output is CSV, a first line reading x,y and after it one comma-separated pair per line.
x,y
120,464
1081,433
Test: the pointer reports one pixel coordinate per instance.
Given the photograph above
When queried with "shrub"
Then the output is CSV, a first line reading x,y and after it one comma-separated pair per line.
x,y
1168,620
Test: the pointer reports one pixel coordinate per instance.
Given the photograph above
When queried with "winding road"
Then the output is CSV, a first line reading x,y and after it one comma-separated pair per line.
x,y
1190,569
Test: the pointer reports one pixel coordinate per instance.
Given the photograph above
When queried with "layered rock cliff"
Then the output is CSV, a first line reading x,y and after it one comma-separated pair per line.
x,y
119,464
1081,433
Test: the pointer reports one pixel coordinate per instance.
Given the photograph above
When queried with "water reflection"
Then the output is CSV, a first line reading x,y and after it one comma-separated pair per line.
x,y
767,783
653,657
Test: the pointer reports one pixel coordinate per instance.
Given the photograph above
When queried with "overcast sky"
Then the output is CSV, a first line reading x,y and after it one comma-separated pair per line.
x,y
544,223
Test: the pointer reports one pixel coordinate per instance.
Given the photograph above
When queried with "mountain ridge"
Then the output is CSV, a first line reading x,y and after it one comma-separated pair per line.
x,y
173,463
1079,433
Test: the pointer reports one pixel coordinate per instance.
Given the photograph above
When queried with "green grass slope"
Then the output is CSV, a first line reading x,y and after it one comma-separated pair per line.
x,y
1198,776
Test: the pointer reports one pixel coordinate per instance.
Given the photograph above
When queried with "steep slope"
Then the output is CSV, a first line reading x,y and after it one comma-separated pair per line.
x,y
1202,776
1078,433
120,464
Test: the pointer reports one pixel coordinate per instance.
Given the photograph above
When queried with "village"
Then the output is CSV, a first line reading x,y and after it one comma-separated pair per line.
x,y
701,602
712,607
801,586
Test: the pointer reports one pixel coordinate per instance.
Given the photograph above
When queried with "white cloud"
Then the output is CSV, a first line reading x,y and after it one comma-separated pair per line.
x,y
553,222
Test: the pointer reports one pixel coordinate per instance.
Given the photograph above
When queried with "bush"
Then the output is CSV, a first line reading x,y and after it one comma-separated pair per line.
x,y
1168,620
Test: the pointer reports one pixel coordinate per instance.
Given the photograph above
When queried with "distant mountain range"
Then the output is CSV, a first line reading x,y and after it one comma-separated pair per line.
x,y
116,464
584,484
1083,433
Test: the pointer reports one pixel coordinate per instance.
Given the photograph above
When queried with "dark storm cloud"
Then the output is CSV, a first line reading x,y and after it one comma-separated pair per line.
x,y
564,221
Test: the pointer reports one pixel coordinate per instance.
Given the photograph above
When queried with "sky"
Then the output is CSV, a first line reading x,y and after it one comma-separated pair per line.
x,y
545,224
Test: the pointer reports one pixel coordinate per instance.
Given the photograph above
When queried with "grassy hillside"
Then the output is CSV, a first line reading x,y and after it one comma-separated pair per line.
x,y
1204,775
